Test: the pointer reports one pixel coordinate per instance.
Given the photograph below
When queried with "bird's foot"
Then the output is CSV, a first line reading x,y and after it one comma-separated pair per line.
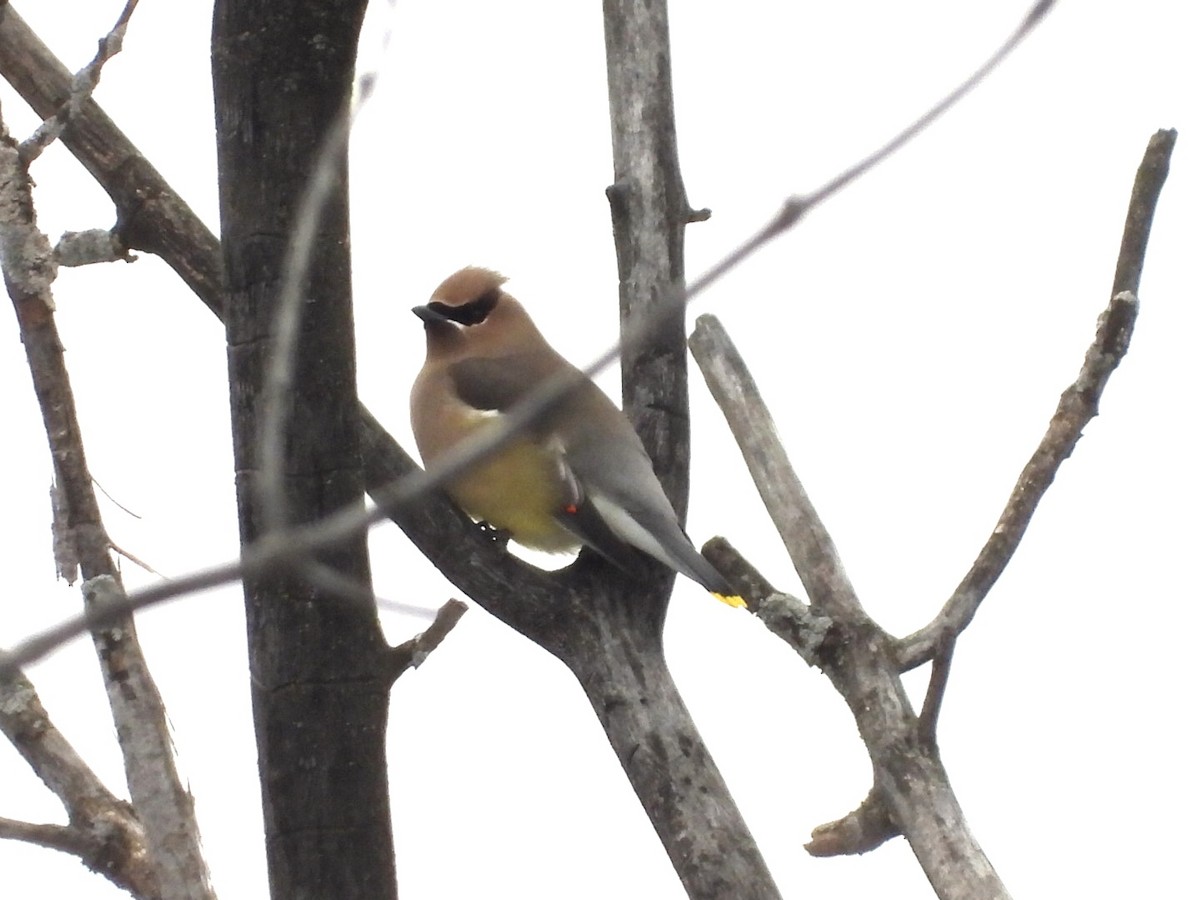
x,y
494,534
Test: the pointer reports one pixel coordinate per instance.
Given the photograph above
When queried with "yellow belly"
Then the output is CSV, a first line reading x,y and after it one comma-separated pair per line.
x,y
518,490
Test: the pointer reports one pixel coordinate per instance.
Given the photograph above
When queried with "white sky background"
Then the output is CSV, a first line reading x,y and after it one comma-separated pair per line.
x,y
912,338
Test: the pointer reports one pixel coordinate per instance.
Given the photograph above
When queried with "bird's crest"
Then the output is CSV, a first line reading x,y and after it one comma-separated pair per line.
x,y
467,285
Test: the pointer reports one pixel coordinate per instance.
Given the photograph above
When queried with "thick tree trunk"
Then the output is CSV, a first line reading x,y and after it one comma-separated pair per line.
x,y
282,72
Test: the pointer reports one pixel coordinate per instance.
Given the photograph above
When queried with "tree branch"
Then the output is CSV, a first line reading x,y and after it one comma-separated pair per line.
x,y
150,215
855,654
861,831
935,691
1078,405
162,804
809,544
789,618
104,832
910,782
53,837
82,86
415,650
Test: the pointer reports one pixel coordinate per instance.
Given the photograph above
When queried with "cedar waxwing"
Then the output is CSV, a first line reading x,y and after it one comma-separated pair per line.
x,y
579,475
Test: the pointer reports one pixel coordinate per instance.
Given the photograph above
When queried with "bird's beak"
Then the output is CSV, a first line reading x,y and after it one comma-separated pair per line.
x,y
428,315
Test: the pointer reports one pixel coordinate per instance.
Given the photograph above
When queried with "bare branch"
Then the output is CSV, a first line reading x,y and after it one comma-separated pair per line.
x,y
27,725
910,782
150,215
788,617
82,86
808,543
797,207
861,831
935,692
37,646
1143,200
415,650
53,837
137,561
162,803
160,800
104,832
1077,406
855,654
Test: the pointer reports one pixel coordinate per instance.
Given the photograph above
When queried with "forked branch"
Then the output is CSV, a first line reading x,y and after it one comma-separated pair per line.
x,y
911,794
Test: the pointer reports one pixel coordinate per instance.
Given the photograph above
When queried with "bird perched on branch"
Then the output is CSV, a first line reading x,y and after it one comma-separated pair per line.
x,y
578,475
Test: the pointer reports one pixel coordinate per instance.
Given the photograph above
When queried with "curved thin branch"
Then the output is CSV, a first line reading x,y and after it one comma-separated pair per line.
x,y
1077,406
155,219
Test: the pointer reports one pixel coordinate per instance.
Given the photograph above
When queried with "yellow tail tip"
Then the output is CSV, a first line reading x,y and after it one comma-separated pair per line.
x,y
731,599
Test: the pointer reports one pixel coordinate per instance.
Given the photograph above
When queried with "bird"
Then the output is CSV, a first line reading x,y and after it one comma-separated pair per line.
x,y
578,476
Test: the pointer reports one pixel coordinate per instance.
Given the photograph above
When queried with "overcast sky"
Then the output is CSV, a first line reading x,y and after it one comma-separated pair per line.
x,y
912,338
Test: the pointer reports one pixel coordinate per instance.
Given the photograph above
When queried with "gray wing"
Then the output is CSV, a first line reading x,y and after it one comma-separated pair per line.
x,y
495,383
623,503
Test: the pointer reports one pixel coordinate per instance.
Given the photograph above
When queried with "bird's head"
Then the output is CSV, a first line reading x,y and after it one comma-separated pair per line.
x,y
471,313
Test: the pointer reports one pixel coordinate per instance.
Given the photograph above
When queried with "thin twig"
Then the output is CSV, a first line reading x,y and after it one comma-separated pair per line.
x,y
117,503
82,87
935,692
141,564
1077,406
798,206
416,649
55,837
